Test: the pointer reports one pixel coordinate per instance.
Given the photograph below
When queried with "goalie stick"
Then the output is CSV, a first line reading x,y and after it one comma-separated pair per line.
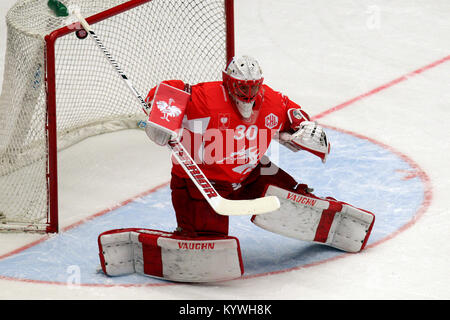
x,y
220,205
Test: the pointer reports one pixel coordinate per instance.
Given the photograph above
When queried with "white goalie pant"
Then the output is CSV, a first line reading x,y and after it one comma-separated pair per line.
x,y
324,221
167,256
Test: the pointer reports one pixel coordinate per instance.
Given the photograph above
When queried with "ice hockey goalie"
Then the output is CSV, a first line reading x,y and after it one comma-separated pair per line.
x,y
227,127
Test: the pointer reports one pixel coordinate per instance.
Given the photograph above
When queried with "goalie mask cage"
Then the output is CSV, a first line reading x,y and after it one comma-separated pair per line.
x,y
59,89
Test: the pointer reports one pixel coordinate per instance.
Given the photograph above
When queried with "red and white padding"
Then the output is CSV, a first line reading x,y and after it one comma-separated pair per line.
x,y
168,256
319,220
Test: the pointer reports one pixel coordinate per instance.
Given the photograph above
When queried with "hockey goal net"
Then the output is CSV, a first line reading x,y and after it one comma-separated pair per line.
x,y
59,89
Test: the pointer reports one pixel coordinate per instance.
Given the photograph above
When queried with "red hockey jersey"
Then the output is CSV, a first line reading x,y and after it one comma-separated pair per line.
x,y
224,145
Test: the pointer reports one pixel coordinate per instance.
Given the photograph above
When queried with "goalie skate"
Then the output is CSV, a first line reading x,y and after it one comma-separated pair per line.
x,y
319,220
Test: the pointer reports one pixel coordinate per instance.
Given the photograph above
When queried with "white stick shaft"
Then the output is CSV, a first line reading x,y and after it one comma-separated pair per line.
x,y
219,204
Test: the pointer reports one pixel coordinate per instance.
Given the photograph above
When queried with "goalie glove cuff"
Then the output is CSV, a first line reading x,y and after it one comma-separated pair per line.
x,y
296,117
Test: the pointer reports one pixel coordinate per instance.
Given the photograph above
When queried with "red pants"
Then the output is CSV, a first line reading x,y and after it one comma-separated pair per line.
x,y
194,214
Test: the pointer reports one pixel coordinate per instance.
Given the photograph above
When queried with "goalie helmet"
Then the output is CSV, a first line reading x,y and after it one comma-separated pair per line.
x,y
243,80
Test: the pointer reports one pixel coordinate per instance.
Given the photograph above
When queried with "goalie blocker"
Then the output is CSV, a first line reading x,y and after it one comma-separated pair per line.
x,y
324,221
169,256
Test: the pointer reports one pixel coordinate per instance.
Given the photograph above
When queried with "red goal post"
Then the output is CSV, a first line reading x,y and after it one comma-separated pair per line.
x,y
47,102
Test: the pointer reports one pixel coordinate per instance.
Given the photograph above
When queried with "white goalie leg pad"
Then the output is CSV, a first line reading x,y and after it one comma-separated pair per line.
x,y
116,252
319,220
165,255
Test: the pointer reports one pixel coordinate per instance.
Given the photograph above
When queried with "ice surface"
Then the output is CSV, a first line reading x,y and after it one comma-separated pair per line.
x,y
321,54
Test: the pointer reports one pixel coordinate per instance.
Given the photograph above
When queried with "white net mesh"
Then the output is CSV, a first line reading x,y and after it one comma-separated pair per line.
x,y
157,40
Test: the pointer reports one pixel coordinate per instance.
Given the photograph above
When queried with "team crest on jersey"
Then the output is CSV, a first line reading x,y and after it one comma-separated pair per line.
x,y
168,110
271,121
224,121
